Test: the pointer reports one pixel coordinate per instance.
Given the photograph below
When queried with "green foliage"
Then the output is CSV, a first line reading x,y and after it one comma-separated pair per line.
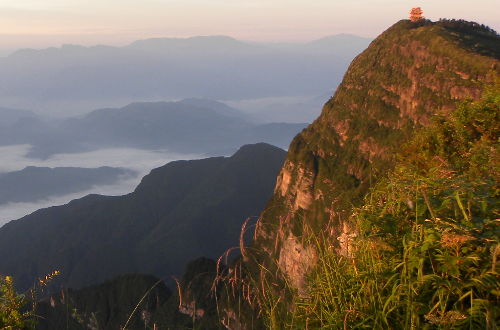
x,y
11,303
426,251
14,312
469,27
468,142
423,252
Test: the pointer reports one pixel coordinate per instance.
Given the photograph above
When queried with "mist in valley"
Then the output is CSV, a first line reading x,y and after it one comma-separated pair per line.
x,y
140,161
140,106
74,79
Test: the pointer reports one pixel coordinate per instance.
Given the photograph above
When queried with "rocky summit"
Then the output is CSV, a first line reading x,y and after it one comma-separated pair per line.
x,y
410,73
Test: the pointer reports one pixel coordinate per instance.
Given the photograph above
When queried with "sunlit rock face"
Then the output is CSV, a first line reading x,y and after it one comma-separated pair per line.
x,y
409,74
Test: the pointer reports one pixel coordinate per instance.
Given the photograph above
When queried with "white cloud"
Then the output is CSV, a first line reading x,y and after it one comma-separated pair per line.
x,y
12,159
14,211
143,161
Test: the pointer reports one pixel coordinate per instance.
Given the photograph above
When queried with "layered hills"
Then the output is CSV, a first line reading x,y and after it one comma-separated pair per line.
x,y
181,211
191,126
35,183
216,67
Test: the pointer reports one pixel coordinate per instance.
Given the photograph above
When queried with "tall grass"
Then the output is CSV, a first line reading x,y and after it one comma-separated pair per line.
x,y
424,250
423,256
14,313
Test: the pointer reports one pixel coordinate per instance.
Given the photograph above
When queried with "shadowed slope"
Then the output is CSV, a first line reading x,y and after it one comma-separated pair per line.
x,y
181,211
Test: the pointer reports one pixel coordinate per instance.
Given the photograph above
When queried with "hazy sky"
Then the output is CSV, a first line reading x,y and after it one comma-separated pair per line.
x,y
43,23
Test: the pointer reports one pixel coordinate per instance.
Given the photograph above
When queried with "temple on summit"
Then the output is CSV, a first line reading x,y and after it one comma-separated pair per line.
x,y
416,14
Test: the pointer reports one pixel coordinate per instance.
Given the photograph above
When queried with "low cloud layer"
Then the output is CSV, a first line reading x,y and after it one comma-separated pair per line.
x,y
141,161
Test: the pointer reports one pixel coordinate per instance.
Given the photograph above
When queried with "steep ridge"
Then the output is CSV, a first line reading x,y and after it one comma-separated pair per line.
x,y
181,211
408,74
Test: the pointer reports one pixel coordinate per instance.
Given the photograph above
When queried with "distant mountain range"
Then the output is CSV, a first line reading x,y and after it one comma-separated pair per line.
x,y
189,126
35,183
73,79
9,117
179,212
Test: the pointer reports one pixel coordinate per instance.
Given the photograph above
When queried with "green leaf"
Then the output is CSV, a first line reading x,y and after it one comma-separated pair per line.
x,y
459,201
495,292
420,209
484,206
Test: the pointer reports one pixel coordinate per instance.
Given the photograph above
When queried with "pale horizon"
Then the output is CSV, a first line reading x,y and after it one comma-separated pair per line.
x,y
51,23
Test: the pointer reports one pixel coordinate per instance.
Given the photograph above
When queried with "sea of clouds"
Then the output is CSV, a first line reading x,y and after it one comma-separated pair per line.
x,y
142,161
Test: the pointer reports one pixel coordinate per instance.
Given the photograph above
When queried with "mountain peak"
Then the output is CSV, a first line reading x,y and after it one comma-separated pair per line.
x,y
408,74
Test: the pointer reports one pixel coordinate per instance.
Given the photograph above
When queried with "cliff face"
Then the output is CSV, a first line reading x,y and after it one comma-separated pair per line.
x,y
408,74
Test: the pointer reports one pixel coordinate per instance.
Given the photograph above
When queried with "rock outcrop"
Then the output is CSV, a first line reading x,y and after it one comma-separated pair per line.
x,y
409,74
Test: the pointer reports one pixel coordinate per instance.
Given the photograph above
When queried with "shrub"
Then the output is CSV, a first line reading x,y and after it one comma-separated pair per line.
x,y
14,313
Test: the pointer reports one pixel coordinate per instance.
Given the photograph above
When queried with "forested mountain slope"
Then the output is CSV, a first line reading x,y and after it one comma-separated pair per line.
x,y
181,211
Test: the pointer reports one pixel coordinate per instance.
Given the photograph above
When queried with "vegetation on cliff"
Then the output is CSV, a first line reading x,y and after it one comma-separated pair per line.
x,y
422,252
424,249
392,89
346,229
407,75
